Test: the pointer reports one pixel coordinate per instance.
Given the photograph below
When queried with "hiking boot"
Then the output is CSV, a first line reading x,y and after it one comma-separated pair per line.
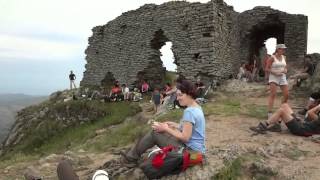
x,y
302,112
275,128
261,128
127,161
30,176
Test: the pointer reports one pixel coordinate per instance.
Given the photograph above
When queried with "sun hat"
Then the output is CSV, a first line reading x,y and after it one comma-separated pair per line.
x,y
281,46
100,175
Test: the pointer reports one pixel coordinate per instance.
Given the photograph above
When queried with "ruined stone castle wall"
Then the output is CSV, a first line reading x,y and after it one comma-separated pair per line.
x,y
208,40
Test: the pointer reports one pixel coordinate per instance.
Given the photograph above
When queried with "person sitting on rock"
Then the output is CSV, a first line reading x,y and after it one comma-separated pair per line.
x,y
115,93
200,88
144,87
189,133
126,92
242,72
313,101
167,88
309,127
304,74
171,96
249,71
136,95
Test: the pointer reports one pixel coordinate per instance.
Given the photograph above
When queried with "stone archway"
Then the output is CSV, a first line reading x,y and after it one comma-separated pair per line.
x,y
271,27
154,73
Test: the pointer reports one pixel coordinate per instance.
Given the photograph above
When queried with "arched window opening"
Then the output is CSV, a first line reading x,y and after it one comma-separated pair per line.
x,y
167,57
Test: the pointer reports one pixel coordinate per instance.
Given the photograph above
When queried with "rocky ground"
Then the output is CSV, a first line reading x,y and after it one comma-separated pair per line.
x,y
232,147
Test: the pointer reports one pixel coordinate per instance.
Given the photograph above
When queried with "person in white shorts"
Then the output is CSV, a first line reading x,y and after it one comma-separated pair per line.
x,y
277,68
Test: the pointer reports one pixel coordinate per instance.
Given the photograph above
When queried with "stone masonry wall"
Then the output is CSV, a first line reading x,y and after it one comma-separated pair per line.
x,y
269,21
208,40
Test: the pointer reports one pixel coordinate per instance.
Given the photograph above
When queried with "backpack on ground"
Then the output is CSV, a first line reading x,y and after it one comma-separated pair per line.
x,y
169,160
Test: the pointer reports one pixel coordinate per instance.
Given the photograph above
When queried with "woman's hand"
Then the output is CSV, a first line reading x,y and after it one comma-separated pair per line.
x,y
285,71
172,124
277,73
160,127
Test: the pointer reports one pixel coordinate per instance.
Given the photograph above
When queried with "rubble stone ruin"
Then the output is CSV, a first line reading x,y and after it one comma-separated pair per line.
x,y
209,40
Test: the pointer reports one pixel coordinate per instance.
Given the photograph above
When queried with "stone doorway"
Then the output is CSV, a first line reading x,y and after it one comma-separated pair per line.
x,y
155,72
271,27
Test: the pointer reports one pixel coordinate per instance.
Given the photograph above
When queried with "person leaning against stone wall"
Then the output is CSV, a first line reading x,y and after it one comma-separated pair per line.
x,y
72,78
277,68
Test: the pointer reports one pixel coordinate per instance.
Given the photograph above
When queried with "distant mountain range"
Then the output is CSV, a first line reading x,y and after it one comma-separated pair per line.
x,y
9,105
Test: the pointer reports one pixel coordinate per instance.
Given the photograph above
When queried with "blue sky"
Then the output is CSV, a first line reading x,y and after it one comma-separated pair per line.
x,y
42,40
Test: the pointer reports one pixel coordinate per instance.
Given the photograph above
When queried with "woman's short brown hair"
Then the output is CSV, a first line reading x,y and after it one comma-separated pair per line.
x,y
187,87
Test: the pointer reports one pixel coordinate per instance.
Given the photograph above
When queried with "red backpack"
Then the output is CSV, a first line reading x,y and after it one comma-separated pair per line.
x,y
170,160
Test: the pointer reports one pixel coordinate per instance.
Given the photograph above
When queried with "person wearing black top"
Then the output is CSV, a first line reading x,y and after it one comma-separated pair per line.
x,y
72,78
304,74
200,88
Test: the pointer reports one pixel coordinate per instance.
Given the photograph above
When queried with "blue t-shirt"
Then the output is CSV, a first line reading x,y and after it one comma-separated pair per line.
x,y
195,116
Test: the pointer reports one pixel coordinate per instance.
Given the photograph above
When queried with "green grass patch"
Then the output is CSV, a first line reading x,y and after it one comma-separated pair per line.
x,y
255,111
73,137
224,107
51,138
231,171
172,115
170,76
247,166
295,154
123,135
16,158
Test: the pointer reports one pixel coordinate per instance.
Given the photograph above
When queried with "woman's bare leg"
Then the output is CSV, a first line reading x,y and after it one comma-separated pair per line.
x,y
272,96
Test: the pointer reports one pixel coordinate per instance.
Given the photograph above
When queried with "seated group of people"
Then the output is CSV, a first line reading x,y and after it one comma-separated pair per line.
x,y
120,93
248,72
168,97
124,93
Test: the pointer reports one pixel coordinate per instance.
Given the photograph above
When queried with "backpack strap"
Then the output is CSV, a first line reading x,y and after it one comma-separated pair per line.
x,y
186,160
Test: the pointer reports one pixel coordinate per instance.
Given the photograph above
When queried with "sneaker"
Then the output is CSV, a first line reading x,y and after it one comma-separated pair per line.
x,y
275,128
31,176
302,112
261,128
127,161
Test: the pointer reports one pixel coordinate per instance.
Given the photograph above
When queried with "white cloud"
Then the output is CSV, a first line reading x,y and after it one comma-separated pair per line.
x,y
21,48
24,25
